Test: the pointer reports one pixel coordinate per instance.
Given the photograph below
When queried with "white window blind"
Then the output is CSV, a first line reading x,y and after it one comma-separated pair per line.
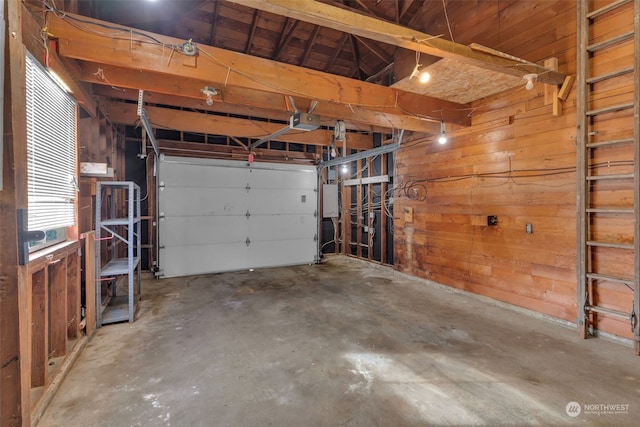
x,y
51,150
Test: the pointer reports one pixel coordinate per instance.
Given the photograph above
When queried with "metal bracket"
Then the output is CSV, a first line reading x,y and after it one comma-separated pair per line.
x,y
248,242
248,214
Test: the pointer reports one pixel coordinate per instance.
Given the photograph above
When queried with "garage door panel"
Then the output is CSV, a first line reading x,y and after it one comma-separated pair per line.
x,y
203,201
187,173
280,253
182,231
278,201
176,261
283,179
205,229
282,227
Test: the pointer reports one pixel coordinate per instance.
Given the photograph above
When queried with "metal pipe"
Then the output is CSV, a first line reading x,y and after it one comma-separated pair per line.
x,y
270,137
360,155
147,126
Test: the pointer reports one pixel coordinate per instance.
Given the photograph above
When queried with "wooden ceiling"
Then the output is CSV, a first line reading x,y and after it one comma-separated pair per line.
x,y
344,59
239,28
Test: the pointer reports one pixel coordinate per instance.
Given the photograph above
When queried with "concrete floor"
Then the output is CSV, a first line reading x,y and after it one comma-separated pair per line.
x,y
341,343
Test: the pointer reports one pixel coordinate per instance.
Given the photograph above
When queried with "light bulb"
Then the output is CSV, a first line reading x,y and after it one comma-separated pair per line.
x,y
529,78
442,139
333,152
209,100
345,168
425,77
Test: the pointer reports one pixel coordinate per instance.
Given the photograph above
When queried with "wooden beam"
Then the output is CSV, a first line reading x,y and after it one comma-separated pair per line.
x,y
225,68
190,88
376,29
125,113
66,70
218,107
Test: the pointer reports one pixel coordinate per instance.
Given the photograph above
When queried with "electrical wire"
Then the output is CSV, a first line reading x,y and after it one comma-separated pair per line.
x,y
446,16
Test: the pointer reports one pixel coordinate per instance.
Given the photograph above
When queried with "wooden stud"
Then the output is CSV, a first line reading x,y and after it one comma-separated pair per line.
x,y
73,295
57,309
90,281
40,327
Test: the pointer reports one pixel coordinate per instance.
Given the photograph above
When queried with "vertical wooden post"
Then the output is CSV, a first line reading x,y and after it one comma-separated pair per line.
x,y
58,308
73,295
15,372
90,282
40,327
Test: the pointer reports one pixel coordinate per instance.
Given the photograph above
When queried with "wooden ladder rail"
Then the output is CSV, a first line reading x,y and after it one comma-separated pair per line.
x,y
587,279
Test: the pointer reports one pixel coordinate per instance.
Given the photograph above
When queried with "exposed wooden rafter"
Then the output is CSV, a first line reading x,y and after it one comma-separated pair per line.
x,y
149,53
252,32
377,29
165,118
214,23
234,99
356,56
309,45
406,4
375,50
336,52
284,38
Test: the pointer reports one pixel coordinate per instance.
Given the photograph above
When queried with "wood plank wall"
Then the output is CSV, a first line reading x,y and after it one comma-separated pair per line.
x,y
447,239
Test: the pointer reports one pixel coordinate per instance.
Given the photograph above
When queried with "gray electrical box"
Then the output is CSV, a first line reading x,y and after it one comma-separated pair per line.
x,y
330,201
304,121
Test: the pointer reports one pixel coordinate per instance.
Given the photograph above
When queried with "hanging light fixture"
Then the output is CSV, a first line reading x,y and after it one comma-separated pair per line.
x,y
345,168
530,78
442,139
210,92
424,76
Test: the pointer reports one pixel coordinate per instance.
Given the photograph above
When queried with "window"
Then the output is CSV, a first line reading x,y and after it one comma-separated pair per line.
x,y
51,155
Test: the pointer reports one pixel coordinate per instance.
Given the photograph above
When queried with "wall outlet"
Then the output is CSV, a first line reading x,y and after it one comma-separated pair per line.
x,y
492,220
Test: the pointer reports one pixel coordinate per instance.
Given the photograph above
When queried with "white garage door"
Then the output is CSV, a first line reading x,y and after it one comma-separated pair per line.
x,y
222,215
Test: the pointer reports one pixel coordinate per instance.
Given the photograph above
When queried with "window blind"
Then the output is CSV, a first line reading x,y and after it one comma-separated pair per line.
x,y
51,150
